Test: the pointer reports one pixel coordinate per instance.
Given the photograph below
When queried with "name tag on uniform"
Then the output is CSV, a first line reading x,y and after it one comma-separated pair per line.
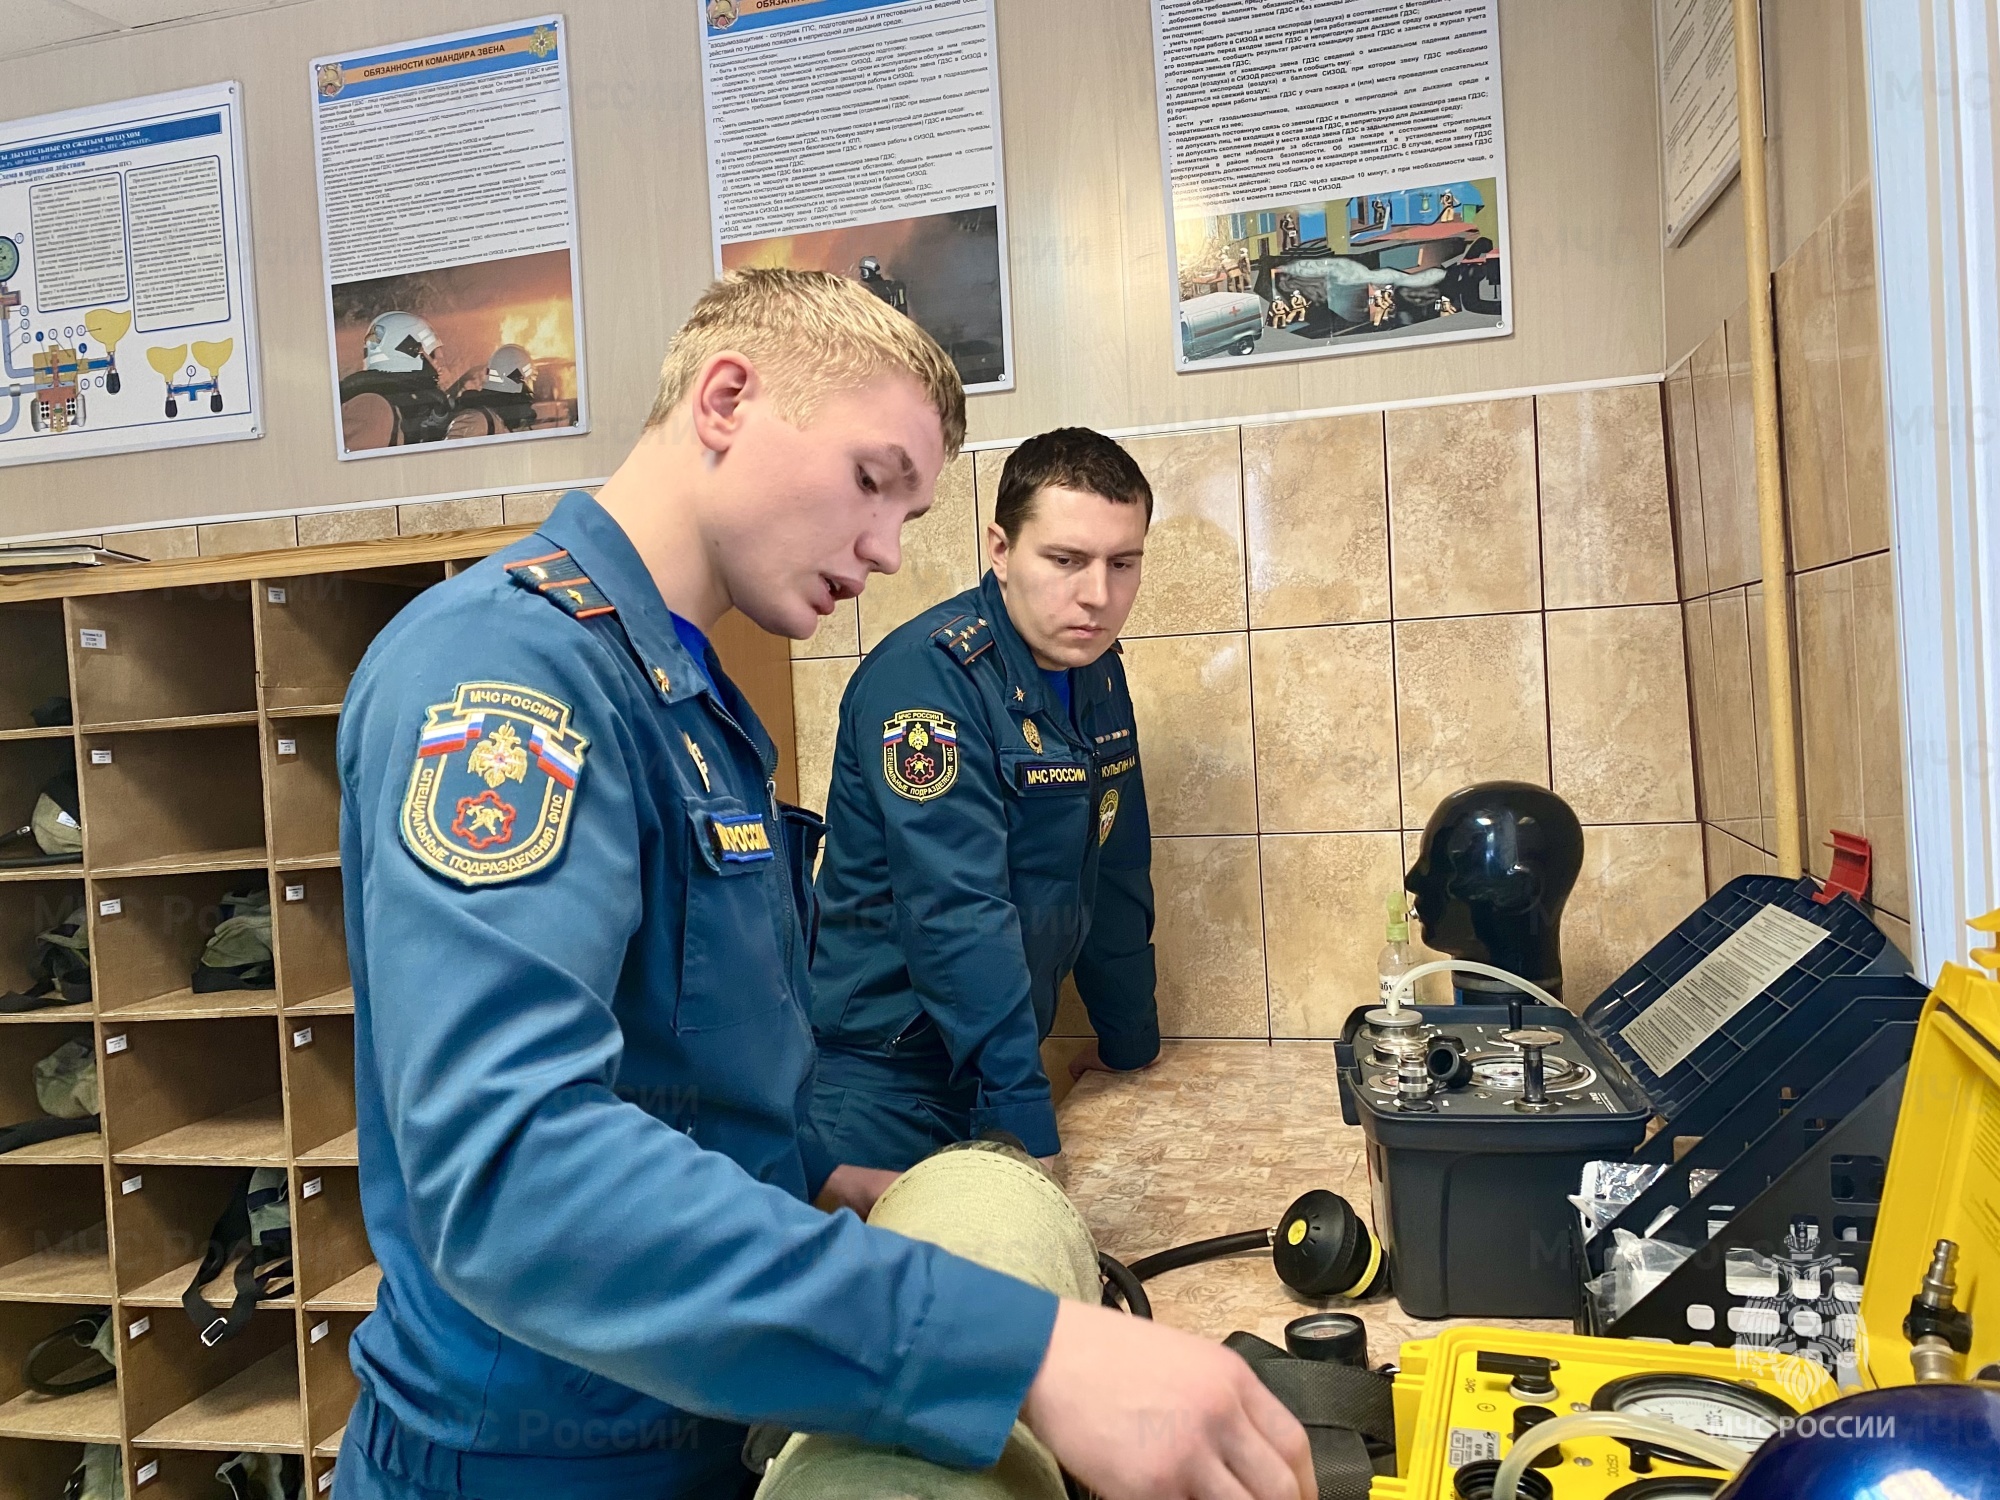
x,y
1119,766
739,838
1051,776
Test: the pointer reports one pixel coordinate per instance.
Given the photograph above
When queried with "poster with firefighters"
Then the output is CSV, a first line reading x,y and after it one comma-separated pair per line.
x,y
887,170
447,207
126,315
1336,176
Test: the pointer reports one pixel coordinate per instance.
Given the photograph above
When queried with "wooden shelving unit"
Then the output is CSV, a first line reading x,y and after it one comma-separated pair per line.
x,y
206,696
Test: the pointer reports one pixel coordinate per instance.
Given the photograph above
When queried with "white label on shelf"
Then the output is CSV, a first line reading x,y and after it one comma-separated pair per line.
x,y
310,1187
288,747
326,1479
100,757
274,595
110,906
295,892
303,1037
132,1184
1745,964
148,1471
115,1044
92,640
320,1331
138,1329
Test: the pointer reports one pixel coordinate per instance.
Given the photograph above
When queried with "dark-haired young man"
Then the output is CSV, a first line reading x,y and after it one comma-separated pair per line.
x,y
987,831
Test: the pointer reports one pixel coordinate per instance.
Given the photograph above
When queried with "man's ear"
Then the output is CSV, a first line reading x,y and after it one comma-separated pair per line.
x,y
726,383
997,550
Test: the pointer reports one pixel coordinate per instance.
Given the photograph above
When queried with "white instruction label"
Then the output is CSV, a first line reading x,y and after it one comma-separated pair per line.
x,y
1749,962
115,1044
91,640
100,757
1470,1444
321,1330
132,1184
302,1037
148,1471
295,892
326,1479
288,747
274,596
310,1187
138,1329
110,906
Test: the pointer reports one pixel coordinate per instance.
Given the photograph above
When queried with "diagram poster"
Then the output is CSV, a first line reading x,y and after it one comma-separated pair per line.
x,y
1695,41
1336,176
126,319
863,137
448,225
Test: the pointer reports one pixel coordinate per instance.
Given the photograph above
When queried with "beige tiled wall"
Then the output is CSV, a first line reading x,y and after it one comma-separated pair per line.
x,y
1836,493
1343,620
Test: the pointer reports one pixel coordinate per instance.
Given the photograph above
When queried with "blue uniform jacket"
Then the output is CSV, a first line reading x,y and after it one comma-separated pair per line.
x,y
582,1064
981,845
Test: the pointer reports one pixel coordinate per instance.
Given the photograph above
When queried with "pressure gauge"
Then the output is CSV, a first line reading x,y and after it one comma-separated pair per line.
x,y
1739,1415
10,257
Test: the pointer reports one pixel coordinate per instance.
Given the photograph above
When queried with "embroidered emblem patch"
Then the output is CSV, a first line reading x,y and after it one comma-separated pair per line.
x,y
740,838
1051,775
1032,735
490,794
1107,814
919,754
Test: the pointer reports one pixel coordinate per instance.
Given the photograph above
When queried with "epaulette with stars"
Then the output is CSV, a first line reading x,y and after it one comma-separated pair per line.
x,y
558,579
963,642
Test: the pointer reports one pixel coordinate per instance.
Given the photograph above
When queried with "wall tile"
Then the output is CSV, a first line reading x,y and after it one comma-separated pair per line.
x,y
1702,701
1316,517
1690,537
1897,931
986,466
1432,989
1809,404
1879,730
1194,577
327,526
838,634
1464,534
1746,561
1730,734
225,537
1637,885
1722,508
1323,925
1471,705
1209,937
1607,533
1829,710
1618,714
940,558
530,509
1729,857
1760,690
1325,706
816,688
1863,419
1191,696
158,544
428,516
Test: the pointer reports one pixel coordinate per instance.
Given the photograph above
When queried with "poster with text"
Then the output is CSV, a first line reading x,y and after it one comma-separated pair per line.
x,y
447,206
863,137
126,317
1336,176
1695,45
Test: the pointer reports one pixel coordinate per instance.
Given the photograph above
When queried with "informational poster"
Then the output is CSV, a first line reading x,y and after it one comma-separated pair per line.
x,y
863,137
1696,45
447,206
126,317
1336,176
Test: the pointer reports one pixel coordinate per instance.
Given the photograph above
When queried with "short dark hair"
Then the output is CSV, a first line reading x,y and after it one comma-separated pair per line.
x,y
1071,458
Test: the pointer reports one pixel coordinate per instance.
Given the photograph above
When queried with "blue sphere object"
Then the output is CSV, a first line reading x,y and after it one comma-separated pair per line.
x,y
1941,1442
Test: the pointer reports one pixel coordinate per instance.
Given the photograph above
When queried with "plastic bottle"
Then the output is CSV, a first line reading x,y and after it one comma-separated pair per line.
x,y
1395,960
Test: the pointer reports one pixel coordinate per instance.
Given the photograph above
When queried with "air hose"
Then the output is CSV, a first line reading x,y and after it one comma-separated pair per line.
x,y
1712,1452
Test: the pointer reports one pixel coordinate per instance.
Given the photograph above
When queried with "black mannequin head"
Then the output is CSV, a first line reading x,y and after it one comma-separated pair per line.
x,y
1496,865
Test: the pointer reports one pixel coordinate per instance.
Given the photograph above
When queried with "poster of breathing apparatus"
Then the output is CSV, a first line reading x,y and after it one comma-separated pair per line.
x,y
126,315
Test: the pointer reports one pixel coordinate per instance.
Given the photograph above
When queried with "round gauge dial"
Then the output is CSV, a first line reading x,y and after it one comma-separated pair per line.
x,y
1740,1415
10,257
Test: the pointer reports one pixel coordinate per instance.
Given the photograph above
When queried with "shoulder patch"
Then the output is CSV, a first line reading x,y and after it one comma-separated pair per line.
x,y
919,754
964,639
558,579
495,778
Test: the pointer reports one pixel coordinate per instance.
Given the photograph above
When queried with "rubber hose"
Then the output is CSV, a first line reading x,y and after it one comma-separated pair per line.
x,y
1123,1286
1615,1424
1199,1251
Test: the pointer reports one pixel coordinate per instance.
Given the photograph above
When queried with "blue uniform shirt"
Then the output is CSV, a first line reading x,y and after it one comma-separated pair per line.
x,y
983,841
582,1063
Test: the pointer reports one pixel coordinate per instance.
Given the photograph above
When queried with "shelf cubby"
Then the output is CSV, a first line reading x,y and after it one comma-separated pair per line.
x,y
309,933
242,1395
146,936
53,1241
314,628
21,1047
304,782
34,665
193,1092
319,1081
330,1383
26,766
27,909
331,1256
162,1219
163,654
36,1470
172,801
83,1417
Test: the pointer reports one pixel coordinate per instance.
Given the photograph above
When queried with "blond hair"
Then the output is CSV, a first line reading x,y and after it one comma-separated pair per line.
x,y
810,334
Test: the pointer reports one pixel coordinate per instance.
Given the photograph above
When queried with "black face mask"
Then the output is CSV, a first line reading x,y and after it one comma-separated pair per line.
x,y
1496,866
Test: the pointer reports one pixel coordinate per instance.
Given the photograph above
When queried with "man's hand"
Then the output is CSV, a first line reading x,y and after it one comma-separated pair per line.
x,y
854,1187
1138,1411
1088,1061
